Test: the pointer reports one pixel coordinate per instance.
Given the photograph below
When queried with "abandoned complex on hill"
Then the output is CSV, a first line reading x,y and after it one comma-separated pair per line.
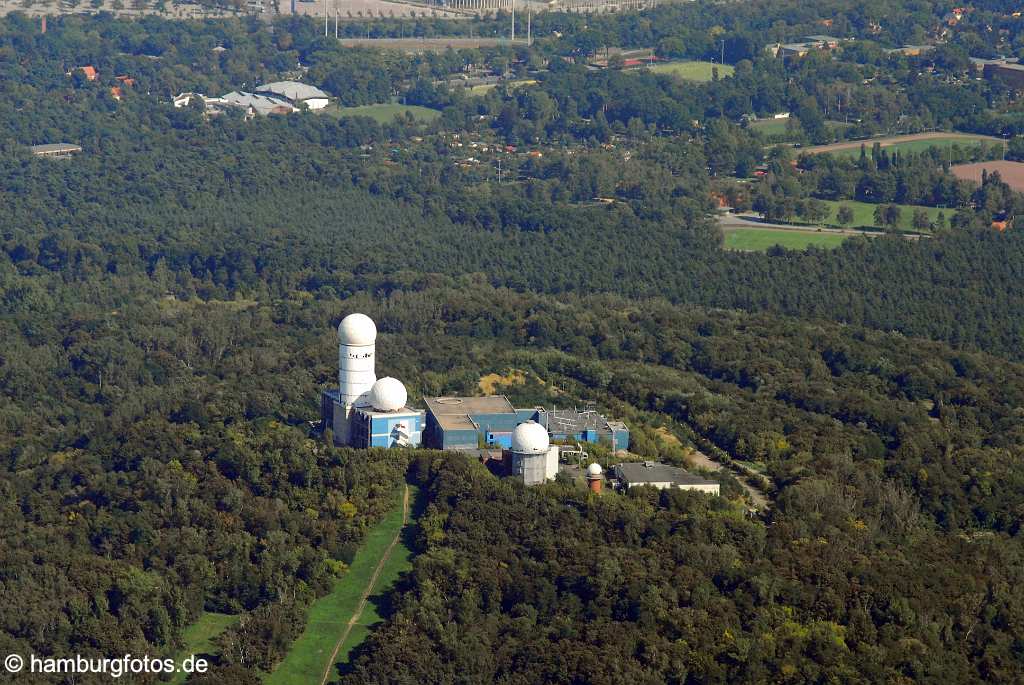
x,y
364,411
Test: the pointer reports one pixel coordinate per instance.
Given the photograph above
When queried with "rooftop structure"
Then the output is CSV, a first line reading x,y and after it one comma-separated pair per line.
x,y
661,476
464,423
256,104
296,93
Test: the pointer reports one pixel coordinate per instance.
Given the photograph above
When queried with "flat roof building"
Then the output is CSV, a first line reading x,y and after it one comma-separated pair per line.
x,y
661,476
466,423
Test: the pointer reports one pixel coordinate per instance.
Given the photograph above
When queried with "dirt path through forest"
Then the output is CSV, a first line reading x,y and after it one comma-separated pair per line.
x,y
369,588
703,461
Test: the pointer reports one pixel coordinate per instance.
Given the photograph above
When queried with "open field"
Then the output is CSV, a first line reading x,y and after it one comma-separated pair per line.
x,y
760,239
198,637
864,214
333,626
770,127
384,113
692,71
910,143
487,87
1012,173
426,44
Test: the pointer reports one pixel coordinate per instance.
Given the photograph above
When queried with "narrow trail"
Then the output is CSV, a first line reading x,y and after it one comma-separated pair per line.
x,y
759,498
357,614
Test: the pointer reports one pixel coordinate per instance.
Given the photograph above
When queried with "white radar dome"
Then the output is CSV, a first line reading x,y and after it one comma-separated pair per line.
x,y
594,469
388,394
530,438
357,329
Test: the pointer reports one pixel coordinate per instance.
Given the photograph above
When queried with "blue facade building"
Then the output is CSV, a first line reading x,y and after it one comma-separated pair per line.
x,y
467,423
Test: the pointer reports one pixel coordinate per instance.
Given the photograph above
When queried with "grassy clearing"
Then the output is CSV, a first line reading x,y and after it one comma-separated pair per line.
x,y
329,615
770,127
198,637
864,214
760,239
384,113
693,71
907,143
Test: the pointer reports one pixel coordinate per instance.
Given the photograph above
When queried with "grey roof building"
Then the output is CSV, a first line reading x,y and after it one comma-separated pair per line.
x,y
295,92
661,476
260,104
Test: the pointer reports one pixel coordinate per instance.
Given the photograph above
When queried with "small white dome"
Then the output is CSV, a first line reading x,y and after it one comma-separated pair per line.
x,y
530,438
357,329
594,469
388,394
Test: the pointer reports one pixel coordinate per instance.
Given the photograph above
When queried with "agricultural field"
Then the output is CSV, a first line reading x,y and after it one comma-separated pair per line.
x,y
329,616
693,71
864,214
384,113
1012,173
198,638
760,239
910,143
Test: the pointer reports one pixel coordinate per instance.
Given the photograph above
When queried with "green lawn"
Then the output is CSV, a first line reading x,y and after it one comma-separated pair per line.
x,y
307,659
384,113
915,145
760,239
198,637
864,214
693,71
770,127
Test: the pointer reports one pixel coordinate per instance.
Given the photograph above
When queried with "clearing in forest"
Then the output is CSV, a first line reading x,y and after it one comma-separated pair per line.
x,y
385,113
760,239
489,384
915,142
340,621
199,636
693,71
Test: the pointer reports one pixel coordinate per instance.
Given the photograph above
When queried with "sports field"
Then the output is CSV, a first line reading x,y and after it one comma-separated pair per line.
x,y
916,142
693,71
198,638
385,113
329,617
760,239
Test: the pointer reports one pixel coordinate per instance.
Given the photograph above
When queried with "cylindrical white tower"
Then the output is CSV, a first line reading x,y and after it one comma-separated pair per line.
x,y
356,376
530,453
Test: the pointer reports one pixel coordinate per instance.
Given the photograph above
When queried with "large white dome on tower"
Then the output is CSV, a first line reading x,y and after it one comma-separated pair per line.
x,y
357,329
530,438
388,394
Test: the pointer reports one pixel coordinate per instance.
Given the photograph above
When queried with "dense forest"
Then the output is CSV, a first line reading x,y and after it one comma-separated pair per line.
x,y
168,299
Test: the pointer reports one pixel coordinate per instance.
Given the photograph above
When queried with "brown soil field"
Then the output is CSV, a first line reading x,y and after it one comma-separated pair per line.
x,y
1011,172
894,140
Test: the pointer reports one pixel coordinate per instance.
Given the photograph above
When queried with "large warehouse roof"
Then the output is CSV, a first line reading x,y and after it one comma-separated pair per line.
x,y
449,406
293,90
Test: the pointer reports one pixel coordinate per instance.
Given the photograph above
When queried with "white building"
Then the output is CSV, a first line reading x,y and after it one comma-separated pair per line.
x,y
661,476
364,411
532,457
296,93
